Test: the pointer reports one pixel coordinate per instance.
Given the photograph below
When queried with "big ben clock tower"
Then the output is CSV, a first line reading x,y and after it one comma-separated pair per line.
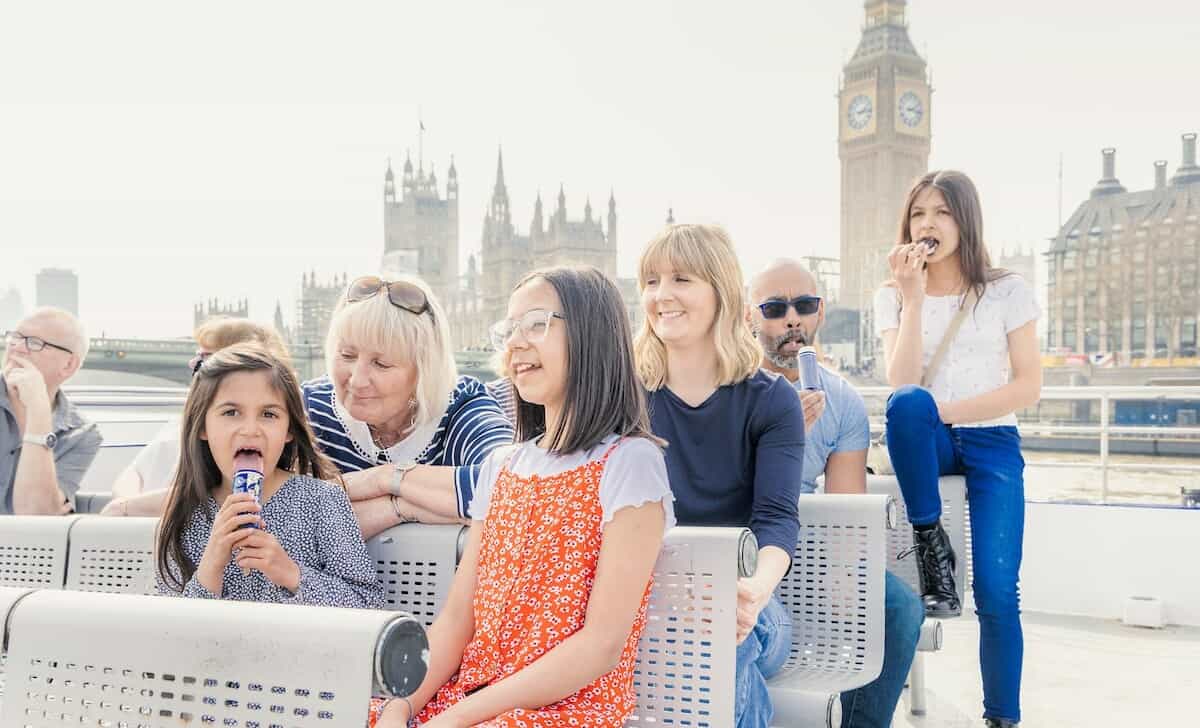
x,y
883,142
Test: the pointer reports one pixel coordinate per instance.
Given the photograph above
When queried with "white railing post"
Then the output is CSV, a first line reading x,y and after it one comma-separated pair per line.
x,y
1104,446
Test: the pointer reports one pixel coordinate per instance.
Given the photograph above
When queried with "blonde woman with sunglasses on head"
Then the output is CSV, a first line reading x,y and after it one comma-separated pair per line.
x,y
393,415
407,433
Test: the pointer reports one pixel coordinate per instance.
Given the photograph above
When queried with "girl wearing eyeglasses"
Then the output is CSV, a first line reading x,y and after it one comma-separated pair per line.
x,y
542,623
393,415
735,432
958,415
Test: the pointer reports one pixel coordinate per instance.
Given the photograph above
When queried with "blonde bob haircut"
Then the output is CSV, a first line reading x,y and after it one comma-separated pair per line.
x,y
375,324
704,251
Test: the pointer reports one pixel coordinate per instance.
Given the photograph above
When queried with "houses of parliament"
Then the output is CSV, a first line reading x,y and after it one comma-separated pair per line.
x,y
421,238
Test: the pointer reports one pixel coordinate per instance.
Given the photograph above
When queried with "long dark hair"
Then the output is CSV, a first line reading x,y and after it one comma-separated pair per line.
x,y
197,473
963,200
604,395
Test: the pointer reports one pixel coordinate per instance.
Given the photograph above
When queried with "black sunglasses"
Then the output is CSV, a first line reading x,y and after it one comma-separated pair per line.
x,y
804,305
401,294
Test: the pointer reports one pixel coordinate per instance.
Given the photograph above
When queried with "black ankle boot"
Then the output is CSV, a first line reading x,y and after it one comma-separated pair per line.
x,y
999,723
935,566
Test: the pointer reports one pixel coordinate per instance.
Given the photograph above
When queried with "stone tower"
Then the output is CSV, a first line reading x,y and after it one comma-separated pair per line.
x,y
883,144
421,227
505,255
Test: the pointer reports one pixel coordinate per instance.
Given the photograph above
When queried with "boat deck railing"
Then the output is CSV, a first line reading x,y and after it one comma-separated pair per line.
x,y
119,403
1104,428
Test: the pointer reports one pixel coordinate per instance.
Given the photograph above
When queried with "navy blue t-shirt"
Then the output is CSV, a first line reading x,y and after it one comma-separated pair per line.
x,y
738,458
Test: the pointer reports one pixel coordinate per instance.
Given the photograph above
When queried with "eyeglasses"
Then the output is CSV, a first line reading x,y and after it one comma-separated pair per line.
x,y
534,326
804,305
402,294
32,343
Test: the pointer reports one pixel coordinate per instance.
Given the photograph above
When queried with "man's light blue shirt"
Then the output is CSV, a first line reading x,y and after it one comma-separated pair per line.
x,y
842,427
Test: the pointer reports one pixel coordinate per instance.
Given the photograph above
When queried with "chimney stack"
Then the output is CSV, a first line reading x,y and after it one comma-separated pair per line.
x,y
1160,174
1188,172
1108,184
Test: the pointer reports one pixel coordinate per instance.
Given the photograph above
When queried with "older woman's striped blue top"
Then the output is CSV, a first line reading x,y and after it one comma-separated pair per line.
x,y
473,426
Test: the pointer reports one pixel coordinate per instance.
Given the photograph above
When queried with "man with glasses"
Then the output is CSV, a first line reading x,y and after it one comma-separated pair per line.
x,y
786,313
46,445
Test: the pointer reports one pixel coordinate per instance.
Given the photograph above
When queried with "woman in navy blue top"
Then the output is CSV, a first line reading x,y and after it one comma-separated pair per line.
x,y
735,434
408,434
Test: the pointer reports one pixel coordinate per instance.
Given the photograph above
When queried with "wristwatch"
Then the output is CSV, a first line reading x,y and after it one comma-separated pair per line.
x,y
48,441
398,474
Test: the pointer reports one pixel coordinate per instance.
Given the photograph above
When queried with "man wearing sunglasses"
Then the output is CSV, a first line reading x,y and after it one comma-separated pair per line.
x,y
786,314
46,446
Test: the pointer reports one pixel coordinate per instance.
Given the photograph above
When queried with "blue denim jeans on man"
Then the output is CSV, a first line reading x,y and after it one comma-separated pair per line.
x,y
874,704
922,448
760,656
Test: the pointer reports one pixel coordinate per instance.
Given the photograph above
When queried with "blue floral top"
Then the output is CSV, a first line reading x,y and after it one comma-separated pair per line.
x,y
315,525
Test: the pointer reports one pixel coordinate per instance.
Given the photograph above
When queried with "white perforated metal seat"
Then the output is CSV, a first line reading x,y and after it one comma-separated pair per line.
x,y
953,489
835,593
415,563
113,555
9,596
686,657
132,660
33,550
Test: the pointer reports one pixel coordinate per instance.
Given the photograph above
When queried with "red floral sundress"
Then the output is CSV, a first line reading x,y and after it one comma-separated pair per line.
x,y
537,563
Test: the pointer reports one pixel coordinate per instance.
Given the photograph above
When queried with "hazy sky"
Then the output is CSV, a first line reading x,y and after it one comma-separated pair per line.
x,y
169,153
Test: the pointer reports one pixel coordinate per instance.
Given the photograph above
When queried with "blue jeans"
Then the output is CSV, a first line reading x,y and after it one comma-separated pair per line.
x,y
873,705
922,448
761,655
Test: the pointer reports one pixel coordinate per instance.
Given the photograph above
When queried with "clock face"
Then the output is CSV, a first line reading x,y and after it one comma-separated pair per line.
x,y
858,113
911,109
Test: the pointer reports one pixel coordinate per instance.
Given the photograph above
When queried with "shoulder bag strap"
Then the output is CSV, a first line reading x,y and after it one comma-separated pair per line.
x,y
968,303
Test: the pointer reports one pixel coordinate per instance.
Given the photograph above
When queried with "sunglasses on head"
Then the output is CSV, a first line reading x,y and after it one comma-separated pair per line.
x,y
401,294
804,305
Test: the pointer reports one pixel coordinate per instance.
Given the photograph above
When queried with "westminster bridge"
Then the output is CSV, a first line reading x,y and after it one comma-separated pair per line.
x,y
168,359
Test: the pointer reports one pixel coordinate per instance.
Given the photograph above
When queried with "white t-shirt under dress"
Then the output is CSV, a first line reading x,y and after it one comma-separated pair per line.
x,y
635,474
977,361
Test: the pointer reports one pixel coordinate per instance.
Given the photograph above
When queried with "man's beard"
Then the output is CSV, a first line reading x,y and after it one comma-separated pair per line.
x,y
785,359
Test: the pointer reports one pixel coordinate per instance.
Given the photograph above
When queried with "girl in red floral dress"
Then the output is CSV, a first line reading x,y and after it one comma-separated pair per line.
x,y
541,626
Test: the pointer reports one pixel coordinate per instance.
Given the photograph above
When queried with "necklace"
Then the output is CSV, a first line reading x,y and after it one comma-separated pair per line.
x,y
381,442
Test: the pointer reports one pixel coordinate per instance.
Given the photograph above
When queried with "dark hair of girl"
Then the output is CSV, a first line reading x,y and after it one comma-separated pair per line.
x,y
963,200
197,473
604,395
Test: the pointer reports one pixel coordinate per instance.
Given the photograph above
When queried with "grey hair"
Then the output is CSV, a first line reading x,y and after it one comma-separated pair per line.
x,y
78,341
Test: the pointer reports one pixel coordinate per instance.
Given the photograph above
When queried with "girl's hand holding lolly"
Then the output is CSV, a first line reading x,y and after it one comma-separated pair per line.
x,y
228,532
260,550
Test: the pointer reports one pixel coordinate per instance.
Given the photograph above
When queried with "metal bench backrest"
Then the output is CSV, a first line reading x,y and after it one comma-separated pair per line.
x,y
33,550
686,656
9,596
954,519
119,659
416,563
835,593
114,555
